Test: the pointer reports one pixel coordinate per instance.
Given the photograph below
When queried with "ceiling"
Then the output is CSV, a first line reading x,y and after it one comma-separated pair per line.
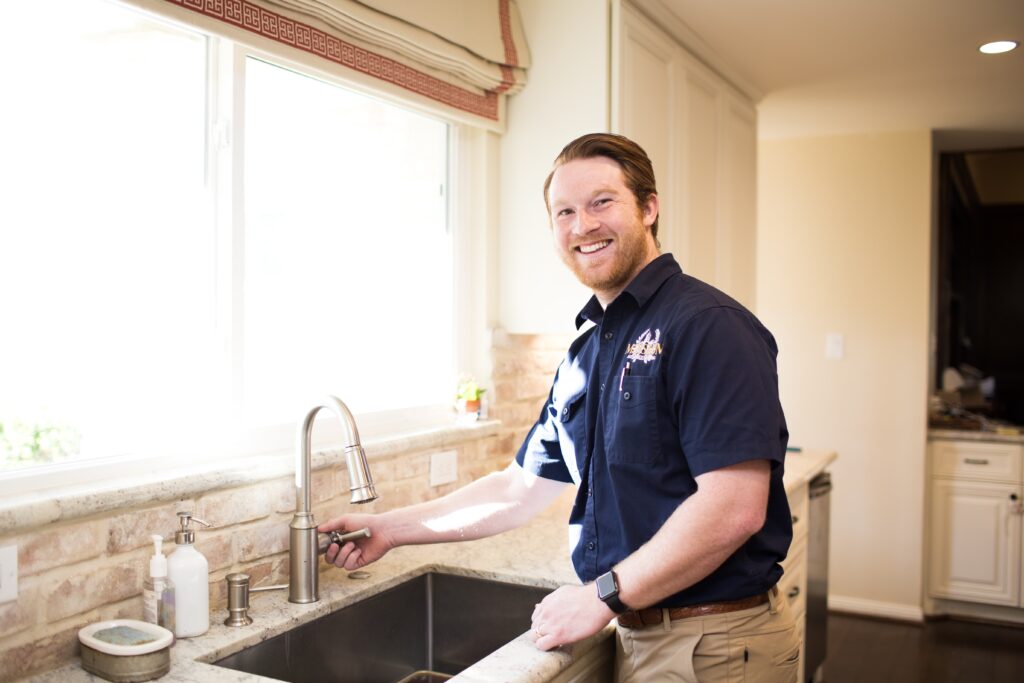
x,y
858,66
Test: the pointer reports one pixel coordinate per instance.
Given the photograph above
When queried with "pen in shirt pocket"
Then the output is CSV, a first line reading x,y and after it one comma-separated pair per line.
x,y
622,376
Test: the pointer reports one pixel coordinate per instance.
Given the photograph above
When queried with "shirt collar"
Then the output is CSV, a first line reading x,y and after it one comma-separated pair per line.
x,y
641,288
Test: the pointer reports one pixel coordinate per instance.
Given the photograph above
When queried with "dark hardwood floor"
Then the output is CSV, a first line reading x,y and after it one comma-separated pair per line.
x,y
863,650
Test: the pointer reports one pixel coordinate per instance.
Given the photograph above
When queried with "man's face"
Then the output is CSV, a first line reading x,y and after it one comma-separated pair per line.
x,y
599,231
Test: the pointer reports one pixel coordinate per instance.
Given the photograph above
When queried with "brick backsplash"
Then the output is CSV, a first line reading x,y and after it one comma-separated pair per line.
x,y
80,571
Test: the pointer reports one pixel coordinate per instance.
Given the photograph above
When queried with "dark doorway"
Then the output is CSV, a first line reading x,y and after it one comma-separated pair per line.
x,y
980,322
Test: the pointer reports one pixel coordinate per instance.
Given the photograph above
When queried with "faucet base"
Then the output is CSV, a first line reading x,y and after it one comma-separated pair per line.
x,y
303,579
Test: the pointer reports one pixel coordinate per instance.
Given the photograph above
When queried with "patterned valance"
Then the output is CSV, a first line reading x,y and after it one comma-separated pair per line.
x,y
465,54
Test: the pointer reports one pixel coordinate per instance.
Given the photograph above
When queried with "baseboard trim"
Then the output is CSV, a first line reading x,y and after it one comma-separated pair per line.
x,y
876,608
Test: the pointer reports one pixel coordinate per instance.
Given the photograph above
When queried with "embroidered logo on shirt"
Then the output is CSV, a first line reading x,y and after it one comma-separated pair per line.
x,y
645,349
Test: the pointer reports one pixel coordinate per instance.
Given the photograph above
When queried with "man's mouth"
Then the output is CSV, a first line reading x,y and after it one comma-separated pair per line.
x,y
594,246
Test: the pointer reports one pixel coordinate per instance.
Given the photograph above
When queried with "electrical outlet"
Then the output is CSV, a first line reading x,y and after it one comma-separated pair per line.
x,y
8,573
444,467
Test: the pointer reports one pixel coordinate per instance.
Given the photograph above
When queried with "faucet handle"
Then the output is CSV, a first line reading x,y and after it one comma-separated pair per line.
x,y
340,538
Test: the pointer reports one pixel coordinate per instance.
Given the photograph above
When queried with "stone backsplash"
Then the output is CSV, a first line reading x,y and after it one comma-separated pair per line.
x,y
77,571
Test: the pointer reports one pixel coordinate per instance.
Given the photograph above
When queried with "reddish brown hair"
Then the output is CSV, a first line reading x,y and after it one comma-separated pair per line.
x,y
631,158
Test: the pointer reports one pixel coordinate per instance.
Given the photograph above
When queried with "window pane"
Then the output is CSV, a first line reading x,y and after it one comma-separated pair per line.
x,y
347,253
106,270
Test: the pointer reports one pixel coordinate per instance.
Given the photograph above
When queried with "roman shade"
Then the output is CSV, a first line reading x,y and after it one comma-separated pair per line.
x,y
466,55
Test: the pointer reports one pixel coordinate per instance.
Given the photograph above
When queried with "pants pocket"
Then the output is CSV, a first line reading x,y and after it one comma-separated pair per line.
x,y
772,657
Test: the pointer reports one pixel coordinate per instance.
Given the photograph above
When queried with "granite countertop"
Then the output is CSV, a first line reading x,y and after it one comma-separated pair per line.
x,y
536,554
973,435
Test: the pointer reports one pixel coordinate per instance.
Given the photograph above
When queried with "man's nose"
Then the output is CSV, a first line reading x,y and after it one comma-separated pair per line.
x,y
586,222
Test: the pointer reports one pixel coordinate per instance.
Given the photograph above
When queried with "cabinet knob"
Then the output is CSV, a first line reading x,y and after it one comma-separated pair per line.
x,y
795,591
1013,496
794,519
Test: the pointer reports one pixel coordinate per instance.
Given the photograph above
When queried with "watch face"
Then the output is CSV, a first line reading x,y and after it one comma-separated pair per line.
x,y
606,585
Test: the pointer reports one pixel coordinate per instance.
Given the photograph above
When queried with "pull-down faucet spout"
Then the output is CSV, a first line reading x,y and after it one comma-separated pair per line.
x,y
303,584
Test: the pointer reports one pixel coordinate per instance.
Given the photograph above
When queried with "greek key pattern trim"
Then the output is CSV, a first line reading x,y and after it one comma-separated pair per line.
x,y
256,19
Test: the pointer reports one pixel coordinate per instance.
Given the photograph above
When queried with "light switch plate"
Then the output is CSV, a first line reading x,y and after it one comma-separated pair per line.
x,y
8,573
444,467
834,344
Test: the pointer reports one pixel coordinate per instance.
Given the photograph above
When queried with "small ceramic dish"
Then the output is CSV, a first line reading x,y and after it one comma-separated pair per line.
x,y
126,650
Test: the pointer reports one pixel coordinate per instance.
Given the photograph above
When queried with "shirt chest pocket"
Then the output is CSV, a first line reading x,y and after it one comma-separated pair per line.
x,y
568,413
631,425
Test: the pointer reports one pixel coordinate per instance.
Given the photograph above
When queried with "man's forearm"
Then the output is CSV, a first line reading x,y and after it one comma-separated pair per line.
x,y
491,505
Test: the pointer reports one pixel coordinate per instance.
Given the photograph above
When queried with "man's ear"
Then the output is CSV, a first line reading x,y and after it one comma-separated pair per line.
x,y
650,210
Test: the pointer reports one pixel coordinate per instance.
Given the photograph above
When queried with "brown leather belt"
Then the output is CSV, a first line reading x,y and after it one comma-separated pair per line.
x,y
652,616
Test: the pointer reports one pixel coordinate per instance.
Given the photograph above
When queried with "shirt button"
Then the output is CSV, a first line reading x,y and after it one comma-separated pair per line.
x,y
602,386
590,546
565,412
626,396
608,335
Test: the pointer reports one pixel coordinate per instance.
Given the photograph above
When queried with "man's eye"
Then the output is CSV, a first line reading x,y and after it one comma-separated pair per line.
x,y
565,212
602,201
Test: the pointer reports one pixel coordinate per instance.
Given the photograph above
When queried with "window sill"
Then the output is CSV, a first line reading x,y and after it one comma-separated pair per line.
x,y
72,502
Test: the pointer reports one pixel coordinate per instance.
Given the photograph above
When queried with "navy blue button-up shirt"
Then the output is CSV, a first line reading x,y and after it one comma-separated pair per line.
x,y
674,379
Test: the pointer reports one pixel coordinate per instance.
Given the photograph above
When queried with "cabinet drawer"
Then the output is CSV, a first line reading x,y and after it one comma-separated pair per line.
x,y
793,584
798,509
977,460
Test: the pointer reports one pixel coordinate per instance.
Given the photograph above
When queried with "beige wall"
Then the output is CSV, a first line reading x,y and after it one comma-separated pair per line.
x,y
844,227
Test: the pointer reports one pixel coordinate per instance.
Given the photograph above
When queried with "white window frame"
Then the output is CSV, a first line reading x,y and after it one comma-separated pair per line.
x,y
470,203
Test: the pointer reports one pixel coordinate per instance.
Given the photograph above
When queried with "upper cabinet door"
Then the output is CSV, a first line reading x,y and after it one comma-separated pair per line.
x,y
701,135
646,108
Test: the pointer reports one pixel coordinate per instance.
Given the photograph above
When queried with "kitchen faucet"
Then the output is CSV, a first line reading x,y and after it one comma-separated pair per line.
x,y
303,580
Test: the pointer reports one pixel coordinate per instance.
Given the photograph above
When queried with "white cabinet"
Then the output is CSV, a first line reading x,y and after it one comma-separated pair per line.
x,y
701,135
794,577
975,521
628,75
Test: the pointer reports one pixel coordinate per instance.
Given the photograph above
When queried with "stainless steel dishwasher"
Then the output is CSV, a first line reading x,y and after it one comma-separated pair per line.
x,y
817,577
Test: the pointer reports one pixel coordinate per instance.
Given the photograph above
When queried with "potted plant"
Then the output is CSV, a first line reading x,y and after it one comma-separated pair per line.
x,y
467,399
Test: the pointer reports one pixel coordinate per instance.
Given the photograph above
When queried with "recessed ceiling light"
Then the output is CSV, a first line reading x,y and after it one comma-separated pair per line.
x,y
998,46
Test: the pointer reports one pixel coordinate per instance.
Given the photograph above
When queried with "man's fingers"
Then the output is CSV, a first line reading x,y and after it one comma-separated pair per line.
x,y
331,553
341,555
352,561
546,642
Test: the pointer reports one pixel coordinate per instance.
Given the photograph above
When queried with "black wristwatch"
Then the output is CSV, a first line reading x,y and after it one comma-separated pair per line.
x,y
608,590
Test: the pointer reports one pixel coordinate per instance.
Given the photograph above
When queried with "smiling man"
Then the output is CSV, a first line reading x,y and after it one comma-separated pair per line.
x,y
665,416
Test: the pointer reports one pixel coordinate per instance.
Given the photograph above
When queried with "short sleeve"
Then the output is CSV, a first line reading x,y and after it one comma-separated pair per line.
x,y
724,386
541,453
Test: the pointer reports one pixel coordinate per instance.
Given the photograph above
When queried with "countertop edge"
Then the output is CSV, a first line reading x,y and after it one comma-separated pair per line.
x,y
972,435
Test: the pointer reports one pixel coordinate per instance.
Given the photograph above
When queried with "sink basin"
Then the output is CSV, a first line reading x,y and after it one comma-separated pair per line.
x,y
433,624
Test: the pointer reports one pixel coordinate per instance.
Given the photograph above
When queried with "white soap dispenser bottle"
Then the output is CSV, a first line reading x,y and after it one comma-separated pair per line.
x,y
158,590
190,573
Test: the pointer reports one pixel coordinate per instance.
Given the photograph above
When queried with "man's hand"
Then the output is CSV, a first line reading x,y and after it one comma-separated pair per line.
x,y
569,615
361,552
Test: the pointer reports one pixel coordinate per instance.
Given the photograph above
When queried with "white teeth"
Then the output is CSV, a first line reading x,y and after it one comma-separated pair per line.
x,y
591,248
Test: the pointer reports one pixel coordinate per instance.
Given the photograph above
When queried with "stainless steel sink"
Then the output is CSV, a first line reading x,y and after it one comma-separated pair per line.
x,y
433,624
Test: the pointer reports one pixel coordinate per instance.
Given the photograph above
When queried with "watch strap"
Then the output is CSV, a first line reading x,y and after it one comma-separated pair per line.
x,y
612,598
615,604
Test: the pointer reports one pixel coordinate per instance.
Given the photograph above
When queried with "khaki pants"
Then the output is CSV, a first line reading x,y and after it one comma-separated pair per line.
x,y
757,645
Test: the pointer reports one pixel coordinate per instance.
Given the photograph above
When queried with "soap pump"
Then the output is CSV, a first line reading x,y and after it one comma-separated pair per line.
x,y
158,590
190,573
